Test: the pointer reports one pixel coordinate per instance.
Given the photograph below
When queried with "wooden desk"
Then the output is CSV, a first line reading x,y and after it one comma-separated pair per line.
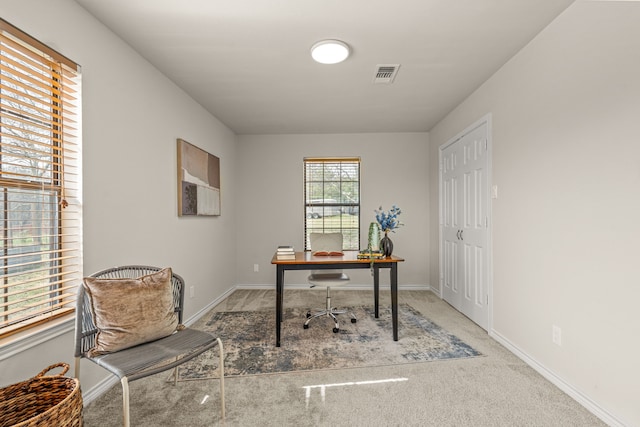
x,y
306,261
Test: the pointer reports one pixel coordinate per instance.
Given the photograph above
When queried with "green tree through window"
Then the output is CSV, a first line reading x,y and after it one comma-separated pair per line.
x,y
332,199
40,259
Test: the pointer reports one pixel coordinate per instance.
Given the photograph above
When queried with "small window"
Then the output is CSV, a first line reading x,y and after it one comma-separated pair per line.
x,y
40,248
332,199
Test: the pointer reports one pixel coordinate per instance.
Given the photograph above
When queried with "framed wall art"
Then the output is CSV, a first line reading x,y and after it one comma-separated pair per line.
x,y
198,181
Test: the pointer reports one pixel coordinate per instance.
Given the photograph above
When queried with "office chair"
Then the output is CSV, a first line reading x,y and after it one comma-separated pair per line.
x,y
322,243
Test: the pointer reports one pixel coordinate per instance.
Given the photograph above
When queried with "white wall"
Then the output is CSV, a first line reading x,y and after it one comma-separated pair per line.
x,y
132,116
565,225
394,170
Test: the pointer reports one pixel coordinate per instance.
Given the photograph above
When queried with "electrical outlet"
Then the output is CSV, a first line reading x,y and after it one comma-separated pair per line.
x,y
556,335
192,291
256,268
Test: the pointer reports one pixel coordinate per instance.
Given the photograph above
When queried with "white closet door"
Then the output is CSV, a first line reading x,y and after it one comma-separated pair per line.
x,y
450,227
464,224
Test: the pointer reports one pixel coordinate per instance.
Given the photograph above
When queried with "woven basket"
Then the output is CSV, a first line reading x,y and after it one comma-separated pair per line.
x,y
42,401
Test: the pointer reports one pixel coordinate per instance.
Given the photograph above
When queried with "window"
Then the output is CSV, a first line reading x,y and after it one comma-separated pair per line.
x,y
40,245
332,199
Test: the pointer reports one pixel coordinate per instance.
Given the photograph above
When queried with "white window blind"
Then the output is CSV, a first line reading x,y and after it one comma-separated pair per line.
x,y
332,198
40,217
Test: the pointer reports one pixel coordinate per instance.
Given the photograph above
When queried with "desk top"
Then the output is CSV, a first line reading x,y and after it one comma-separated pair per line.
x,y
349,257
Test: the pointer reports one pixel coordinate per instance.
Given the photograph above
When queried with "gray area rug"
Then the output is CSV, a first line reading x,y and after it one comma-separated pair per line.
x,y
249,342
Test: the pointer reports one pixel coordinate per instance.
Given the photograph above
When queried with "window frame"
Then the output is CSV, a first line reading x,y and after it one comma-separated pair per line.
x,y
319,199
40,165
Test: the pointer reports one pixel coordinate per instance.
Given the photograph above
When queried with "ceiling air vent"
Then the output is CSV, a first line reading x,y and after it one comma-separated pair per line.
x,y
385,73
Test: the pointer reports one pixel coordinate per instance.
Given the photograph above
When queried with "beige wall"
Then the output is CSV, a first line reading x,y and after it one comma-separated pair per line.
x,y
394,170
132,116
566,162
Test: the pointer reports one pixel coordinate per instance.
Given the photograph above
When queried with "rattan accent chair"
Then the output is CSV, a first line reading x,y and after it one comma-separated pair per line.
x,y
149,358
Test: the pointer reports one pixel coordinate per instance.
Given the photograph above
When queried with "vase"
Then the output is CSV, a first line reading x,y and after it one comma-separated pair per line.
x,y
374,237
386,245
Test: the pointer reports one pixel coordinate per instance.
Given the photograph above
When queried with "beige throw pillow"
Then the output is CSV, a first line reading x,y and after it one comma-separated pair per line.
x,y
129,312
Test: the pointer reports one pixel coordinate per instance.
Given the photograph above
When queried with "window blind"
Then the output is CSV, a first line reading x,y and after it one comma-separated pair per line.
x,y
332,198
40,218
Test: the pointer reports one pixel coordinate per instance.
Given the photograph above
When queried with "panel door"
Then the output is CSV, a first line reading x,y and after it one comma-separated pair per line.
x,y
465,225
450,229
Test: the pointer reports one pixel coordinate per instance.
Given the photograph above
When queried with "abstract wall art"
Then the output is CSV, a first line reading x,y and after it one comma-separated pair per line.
x,y
198,181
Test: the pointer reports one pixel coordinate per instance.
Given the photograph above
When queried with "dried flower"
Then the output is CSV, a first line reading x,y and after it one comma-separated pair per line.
x,y
388,220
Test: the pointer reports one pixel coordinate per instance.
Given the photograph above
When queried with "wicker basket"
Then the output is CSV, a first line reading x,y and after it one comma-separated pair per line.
x,y
42,401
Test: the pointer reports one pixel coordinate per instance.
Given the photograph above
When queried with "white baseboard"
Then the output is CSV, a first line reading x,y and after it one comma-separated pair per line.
x,y
191,320
556,380
435,291
99,389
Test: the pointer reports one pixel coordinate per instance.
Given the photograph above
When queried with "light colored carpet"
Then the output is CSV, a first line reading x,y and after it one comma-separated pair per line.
x,y
495,390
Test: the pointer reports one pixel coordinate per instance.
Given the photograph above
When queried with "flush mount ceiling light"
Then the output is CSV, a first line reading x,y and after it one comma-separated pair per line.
x,y
330,51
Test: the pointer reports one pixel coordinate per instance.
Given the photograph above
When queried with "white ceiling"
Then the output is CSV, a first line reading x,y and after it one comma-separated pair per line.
x,y
248,61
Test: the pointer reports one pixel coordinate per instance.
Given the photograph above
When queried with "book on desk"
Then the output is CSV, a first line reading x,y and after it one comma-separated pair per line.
x,y
327,253
285,252
370,255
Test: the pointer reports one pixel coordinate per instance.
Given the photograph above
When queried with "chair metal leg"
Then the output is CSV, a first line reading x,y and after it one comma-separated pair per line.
x,y
77,368
329,312
175,375
125,401
125,389
221,378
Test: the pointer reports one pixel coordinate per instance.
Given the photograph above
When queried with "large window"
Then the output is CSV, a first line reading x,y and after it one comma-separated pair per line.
x,y
332,199
40,245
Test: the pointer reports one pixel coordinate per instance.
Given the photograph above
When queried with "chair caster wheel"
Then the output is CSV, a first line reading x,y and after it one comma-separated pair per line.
x,y
336,330
305,326
354,320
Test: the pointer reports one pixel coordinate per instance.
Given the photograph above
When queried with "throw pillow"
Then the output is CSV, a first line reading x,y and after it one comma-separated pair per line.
x,y
128,312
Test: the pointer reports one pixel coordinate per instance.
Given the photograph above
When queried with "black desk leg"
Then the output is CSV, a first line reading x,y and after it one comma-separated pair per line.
x,y
279,297
376,288
394,299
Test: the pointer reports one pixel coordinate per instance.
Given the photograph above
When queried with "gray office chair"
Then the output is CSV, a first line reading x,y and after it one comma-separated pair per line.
x,y
151,357
319,243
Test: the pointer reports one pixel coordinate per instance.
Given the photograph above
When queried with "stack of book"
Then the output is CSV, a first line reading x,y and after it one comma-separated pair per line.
x,y
285,252
370,255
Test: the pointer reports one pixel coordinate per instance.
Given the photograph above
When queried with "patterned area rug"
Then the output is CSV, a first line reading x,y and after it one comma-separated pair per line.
x,y
249,342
